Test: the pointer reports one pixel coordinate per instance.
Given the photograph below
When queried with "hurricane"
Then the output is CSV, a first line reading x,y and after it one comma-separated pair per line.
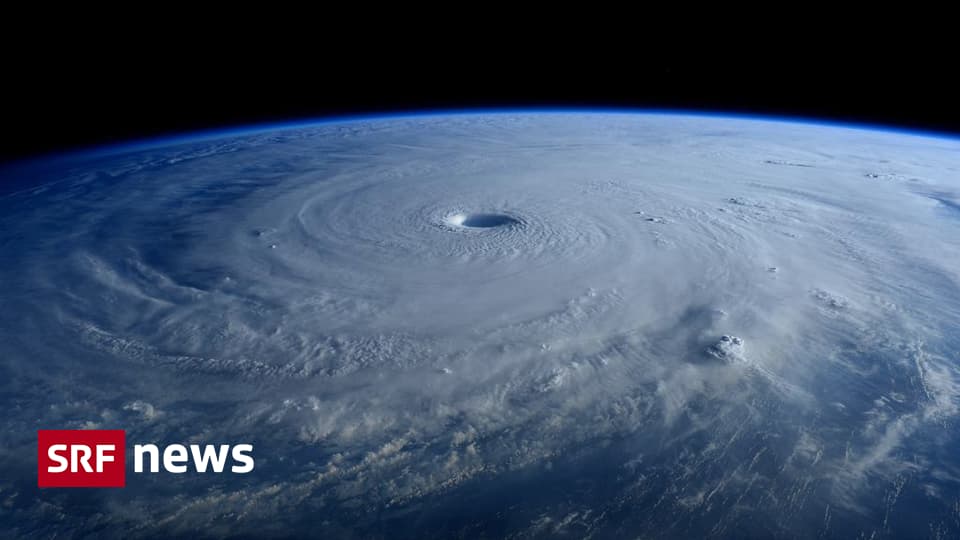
x,y
495,325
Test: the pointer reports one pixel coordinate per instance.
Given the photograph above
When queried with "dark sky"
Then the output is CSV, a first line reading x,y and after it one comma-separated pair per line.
x,y
90,92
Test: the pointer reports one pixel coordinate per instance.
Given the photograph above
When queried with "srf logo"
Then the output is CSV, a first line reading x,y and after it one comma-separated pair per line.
x,y
81,458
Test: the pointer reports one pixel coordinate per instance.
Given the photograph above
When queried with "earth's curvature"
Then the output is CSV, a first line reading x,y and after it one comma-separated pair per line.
x,y
523,325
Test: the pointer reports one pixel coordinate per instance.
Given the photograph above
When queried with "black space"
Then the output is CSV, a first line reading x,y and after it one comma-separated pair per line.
x,y
91,92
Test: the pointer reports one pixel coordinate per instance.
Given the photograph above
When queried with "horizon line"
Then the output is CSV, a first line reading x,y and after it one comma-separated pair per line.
x,y
137,143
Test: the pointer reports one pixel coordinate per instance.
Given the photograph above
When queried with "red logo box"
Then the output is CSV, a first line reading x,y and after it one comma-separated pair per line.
x,y
81,458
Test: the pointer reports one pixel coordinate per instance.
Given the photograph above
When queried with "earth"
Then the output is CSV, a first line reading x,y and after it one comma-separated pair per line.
x,y
494,325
